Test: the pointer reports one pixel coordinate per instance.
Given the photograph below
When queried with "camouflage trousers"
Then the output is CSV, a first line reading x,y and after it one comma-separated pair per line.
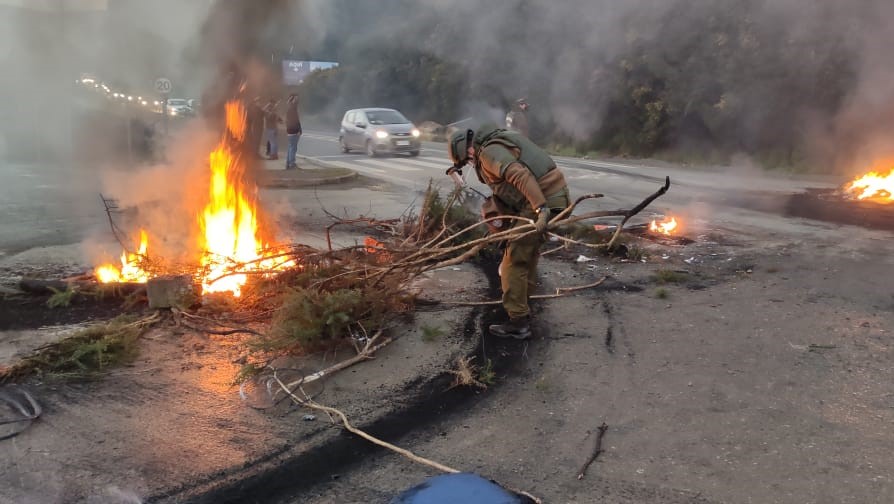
x,y
519,266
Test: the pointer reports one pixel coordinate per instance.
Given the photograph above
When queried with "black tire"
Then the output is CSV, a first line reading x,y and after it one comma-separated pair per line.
x,y
370,149
414,153
344,145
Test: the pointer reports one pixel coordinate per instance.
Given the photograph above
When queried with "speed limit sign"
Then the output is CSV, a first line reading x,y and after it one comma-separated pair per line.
x,y
163,86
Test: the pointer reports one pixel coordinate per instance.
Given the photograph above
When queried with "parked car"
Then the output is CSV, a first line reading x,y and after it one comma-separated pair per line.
x,y
377,131
179,108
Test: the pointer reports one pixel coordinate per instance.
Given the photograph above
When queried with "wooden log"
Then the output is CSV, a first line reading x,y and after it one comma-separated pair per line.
x,y
180,291
47,286
41,286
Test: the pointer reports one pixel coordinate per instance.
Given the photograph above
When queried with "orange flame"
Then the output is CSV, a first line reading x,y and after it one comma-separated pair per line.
x,y
228,224
229,221
130,270
873,186
666,228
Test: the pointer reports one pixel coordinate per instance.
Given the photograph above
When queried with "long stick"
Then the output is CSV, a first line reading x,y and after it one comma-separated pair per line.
x,y
560,292
597,450
365,354
374,440
310,403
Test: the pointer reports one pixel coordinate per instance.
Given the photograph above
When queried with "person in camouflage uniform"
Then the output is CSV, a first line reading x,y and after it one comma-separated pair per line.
x,y
517,118
525,182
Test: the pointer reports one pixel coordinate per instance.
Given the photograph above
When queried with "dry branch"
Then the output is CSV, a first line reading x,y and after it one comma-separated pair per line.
x,y
366,353
597,450
310,403
560,292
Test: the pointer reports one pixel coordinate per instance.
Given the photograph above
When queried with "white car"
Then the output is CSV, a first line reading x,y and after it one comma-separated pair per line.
x,y
178,107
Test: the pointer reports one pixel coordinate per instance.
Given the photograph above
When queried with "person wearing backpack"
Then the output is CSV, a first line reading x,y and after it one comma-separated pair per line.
x,y
526,183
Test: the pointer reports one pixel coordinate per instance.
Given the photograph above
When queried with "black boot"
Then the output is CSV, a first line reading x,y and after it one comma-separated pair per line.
x,y
518,328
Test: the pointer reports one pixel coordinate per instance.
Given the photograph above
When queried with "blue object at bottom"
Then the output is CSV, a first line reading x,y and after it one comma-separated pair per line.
x,y
462,488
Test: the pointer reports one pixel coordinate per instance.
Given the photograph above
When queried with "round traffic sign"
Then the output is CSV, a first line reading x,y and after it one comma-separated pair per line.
x,y
163,85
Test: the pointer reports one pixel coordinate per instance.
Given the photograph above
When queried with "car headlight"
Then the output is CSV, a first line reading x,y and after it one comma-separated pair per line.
x,y
415,132
381,134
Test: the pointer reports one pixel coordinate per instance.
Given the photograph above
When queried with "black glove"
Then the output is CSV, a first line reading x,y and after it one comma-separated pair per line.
x,y
542,220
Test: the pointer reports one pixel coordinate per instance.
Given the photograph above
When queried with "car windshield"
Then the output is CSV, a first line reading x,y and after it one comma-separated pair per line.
x,y
177,103
386,117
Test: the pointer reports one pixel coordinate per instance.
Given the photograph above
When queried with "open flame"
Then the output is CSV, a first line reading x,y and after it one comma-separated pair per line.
x,y
874,186
667,227
227,226
130,270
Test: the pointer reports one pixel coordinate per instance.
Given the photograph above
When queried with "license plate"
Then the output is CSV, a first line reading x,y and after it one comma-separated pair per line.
x,y
403,142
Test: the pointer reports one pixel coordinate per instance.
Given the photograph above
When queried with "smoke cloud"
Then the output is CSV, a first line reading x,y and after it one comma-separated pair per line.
x,y
805,80
789,78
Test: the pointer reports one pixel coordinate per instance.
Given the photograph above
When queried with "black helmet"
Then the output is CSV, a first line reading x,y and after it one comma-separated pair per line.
x,y
458,149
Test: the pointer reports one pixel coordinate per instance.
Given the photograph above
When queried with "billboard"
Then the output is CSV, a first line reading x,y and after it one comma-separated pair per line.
x,y
295,71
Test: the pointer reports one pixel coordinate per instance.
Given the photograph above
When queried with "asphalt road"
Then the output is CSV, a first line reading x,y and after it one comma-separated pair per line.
x,y
53,205
722,192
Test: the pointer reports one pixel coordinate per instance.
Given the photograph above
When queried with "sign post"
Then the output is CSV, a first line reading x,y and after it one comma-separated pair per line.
x,y
163,88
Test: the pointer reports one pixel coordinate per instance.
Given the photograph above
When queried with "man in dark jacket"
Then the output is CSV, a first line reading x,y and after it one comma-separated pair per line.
x,y
293,131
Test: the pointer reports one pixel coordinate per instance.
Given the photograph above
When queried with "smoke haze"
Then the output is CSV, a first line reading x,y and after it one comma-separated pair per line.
x,y
805,81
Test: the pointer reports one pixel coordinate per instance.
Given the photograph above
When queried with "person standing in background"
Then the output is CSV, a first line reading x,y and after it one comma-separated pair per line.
x,y
517,118
271,128
255,116
293,131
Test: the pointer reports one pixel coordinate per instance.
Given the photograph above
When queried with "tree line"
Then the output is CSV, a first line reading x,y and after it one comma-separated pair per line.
x,y
731,83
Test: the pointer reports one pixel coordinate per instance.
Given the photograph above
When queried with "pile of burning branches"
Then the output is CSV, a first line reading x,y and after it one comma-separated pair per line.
x,y
345,296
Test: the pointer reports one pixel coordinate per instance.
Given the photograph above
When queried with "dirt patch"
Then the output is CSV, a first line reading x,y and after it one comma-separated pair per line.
x,y
129,432
761,376
31,312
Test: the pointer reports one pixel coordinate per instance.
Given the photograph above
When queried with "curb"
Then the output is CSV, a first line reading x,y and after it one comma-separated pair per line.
x,y
288,183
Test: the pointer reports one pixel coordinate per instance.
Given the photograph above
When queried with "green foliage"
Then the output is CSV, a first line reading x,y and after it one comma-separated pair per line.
x,y
486,374
247,372
458,215
416,82
86,353
661,293
636,253
664,276
61,299
310,316
746,77
430,334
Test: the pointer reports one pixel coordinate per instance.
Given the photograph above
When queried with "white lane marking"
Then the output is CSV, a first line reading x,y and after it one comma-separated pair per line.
x,y
391,166
319,137
374,172
422,164
356,166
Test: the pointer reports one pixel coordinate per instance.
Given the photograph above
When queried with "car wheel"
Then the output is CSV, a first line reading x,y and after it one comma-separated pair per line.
x,y
370,149
414,153
344,146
